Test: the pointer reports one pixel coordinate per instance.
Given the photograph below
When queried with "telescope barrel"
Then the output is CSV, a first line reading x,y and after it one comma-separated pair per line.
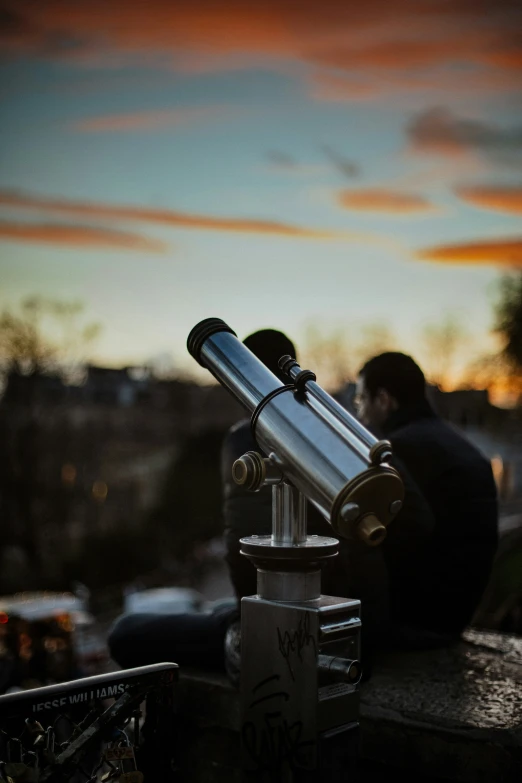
x,y
373,450
321,455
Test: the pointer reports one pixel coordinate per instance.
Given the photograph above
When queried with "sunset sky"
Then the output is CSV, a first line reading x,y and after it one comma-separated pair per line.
x,y
272,164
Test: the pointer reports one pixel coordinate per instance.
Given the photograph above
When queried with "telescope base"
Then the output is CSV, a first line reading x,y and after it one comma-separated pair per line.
x,y
293,708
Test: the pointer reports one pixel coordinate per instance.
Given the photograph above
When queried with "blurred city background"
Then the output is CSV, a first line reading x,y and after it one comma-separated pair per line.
x,y
351,176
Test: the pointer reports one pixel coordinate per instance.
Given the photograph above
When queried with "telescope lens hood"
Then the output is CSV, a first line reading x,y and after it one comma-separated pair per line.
x,y
202,332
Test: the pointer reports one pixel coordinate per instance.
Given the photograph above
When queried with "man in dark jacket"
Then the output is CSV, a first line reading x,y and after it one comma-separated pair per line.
x,y
444,585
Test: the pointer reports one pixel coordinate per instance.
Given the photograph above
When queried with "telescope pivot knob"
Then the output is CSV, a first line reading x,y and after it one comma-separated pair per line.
x,y
249,470
253,471
371,530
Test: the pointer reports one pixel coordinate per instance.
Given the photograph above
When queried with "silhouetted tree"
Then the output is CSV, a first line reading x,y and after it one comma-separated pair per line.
x,y
328,354
501,371
337,355
42,336
443,341
39,338
374,339
508,325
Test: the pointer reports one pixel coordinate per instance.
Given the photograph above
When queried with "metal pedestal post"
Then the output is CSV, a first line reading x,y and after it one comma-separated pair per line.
x,y
299,655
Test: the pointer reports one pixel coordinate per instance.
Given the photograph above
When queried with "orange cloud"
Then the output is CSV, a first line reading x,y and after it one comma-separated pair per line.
x,y
376,38
78,236
408,51
166,217
381,200
368,84
501,252
503,199
148,120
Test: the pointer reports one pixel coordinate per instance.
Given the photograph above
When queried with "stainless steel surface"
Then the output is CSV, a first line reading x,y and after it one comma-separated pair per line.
x,y
358,446
278,688
363,441
288,515
284,706
320,462
340,621
236,368
299,650
323,451
312,549
288,585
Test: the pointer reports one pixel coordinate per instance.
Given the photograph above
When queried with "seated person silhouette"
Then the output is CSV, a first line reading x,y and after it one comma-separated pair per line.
x,y
451,572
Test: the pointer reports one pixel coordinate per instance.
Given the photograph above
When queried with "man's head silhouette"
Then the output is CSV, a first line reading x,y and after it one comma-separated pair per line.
x,y
386,383
269,345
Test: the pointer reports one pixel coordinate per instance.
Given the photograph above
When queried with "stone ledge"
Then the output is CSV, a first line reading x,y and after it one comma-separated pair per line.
x,y
452,714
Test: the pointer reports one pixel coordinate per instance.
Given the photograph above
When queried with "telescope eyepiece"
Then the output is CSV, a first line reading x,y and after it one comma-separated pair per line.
x,y
202,332
286,363
295,374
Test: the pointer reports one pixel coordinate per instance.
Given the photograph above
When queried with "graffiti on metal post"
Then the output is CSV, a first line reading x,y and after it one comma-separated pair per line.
x,y
293,643
273,743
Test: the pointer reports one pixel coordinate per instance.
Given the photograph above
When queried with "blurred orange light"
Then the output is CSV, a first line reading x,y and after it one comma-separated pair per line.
x,y
25,643
99,491
68,473
497,467
64,621
50,645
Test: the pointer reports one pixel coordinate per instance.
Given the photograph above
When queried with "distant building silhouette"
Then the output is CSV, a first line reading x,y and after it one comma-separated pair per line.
x,y
122,387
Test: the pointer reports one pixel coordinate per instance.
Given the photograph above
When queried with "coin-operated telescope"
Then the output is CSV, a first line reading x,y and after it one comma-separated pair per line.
x,y
299,649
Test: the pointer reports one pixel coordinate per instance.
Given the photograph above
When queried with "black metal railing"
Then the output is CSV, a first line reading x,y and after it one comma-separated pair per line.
x,y
92,729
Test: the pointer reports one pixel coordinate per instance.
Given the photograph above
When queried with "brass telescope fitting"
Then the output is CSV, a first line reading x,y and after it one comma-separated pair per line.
x,y
371,531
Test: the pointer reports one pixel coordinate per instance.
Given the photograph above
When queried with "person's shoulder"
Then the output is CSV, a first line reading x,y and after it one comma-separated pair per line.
x,y
423,427
440,436
412,433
